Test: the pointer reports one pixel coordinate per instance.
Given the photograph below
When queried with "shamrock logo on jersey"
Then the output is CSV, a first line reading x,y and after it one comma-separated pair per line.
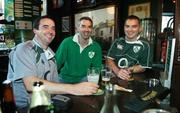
x,y
91,54
119,46
136,49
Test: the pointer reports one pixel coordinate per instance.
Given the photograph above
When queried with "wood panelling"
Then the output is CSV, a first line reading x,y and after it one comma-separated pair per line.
x,y
175,96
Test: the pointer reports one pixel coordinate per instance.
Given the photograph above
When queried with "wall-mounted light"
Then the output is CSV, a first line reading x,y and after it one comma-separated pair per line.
x,y
174,1
78,1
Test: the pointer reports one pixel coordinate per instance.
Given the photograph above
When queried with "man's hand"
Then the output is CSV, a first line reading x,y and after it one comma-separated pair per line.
x,y
84,88
124,74
120,72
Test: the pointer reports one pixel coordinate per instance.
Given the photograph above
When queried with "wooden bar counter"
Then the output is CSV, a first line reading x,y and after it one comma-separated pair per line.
x,y
127,102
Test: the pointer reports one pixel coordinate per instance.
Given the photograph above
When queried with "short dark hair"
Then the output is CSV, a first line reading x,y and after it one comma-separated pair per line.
x,y
38,19
86,18
133,17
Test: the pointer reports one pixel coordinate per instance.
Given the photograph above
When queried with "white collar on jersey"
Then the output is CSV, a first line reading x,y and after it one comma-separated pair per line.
x,y
75,39
47,52
133,41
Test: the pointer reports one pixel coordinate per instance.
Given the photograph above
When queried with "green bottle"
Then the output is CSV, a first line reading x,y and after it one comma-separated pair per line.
x,y
110,101
40,100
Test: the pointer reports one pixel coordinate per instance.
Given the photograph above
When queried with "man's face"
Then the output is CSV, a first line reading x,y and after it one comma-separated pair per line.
x,y
46,31
132,29
85,29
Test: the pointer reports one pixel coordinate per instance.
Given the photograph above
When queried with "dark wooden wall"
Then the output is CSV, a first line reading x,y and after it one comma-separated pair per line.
x,y
175,96
3,71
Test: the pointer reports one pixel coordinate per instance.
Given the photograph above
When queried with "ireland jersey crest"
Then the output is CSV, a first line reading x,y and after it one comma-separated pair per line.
x,y
91,54
119,46
136,49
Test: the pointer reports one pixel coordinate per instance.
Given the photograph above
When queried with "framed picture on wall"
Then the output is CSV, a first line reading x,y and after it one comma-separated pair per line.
x,y
65,24
104,24
140,10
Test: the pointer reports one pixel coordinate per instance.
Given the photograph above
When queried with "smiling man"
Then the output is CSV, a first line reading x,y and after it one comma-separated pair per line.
x,y
78,53
33,61
129,54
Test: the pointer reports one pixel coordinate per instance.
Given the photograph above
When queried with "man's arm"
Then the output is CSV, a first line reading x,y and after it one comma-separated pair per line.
x,y
111,64
137,69
85,88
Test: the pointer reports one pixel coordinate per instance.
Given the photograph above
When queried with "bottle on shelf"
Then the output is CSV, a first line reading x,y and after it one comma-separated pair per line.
x,y
40,100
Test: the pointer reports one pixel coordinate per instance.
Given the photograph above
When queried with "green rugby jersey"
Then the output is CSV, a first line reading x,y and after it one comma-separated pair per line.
x,y
130,53
73,64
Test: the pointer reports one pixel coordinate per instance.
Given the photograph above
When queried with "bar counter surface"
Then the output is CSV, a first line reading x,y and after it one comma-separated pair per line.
x,y
127,102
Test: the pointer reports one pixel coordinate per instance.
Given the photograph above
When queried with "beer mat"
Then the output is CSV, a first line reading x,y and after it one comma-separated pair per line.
x,y
62,103
148,95
99,92
136,105
117,87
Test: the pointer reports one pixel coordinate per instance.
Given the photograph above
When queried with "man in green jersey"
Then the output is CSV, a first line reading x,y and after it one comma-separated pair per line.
x,y
129,54
78,53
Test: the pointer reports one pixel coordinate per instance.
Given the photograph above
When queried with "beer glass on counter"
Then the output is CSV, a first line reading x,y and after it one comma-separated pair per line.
x,y
93,74
106,75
